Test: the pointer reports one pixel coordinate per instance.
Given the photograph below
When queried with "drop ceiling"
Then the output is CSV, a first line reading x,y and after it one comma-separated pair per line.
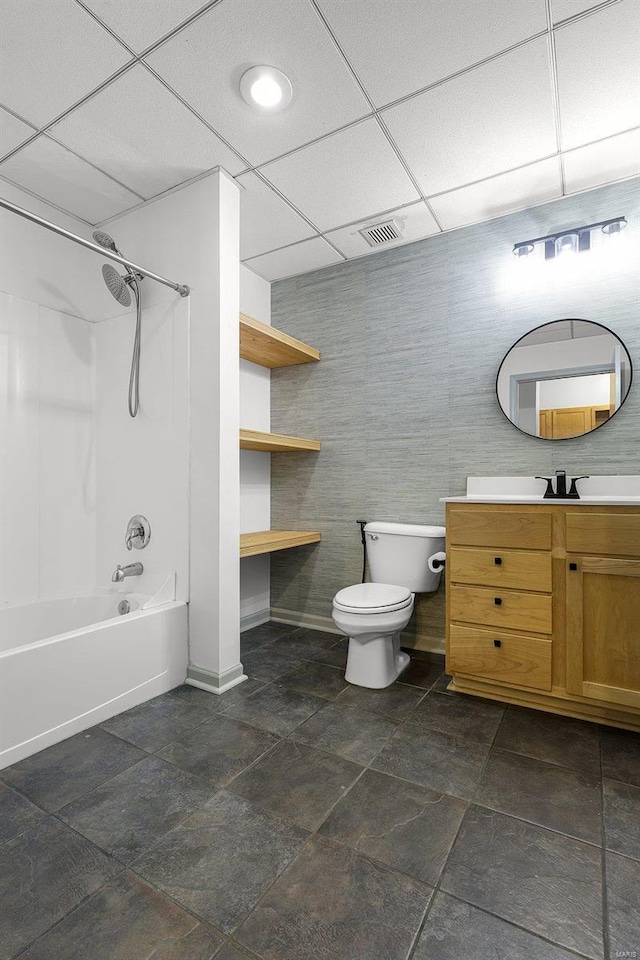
x,y
433,113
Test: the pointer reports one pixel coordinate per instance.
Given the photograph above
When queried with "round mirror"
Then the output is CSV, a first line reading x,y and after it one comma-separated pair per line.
x,y
564,379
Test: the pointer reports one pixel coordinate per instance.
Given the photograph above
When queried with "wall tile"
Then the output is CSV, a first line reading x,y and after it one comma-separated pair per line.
x,y
404,395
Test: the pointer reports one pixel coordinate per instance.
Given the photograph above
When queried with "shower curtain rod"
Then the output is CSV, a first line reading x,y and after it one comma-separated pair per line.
x,y
181,288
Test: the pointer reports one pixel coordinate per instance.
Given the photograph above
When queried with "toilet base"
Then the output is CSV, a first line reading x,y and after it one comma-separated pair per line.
x,y
375,661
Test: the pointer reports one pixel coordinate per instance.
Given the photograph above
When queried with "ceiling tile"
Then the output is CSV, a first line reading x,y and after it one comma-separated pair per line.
x,y
491,119
563,9
598,61
154,146
614,159
266,221
60,177
300,258
205,61
141,24
12,132
415,222
344,177
499,195
397,48
52,54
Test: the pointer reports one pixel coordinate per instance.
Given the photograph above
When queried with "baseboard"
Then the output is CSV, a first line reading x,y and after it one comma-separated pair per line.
x,y
255,619
304,620
215,682
409,641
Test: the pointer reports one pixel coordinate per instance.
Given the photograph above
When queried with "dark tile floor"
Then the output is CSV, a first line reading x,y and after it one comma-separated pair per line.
x,y
300,818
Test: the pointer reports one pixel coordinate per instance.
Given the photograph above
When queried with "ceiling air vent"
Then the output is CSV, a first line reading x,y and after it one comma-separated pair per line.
x,y
381,233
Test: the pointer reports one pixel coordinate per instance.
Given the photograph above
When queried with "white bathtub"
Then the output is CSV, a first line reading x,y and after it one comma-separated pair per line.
x,y
68,664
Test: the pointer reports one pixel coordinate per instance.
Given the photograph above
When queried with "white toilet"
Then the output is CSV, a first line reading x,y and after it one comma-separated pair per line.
x,y
373,614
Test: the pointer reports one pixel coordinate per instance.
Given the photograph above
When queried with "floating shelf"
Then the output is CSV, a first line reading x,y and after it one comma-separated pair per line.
x,y
269,347
268,541
275,442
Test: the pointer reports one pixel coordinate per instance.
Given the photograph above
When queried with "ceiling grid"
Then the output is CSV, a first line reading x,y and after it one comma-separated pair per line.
x,y
434,115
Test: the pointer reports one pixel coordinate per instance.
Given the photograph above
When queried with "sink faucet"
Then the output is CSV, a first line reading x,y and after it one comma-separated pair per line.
x,y
561,487
131,570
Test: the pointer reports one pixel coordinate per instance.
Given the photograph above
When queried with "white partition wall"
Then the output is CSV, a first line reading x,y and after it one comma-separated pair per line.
x,y
214,616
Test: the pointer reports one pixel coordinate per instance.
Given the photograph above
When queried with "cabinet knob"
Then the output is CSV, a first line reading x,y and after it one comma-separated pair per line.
x,y
497,643
497,561
497,601
573,566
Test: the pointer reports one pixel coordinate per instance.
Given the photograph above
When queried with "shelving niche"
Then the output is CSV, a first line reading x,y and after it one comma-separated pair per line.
x,y
269,347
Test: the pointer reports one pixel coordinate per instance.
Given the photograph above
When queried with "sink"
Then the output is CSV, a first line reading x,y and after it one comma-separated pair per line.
x,y
615,491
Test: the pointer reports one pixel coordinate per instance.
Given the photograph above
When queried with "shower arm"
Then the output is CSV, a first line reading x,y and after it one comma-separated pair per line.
x,y
180,288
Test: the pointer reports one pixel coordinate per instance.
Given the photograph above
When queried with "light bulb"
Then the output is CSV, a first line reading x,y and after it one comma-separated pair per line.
x,y
614,229
266,92
567,243
266,88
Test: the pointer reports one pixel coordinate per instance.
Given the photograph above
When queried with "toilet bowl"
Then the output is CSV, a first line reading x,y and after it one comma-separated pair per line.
x,y
374,614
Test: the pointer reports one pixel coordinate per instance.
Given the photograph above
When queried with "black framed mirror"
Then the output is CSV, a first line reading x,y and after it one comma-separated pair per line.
x,y
564,379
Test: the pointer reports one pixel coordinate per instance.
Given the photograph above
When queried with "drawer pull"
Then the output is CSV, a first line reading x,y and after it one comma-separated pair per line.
x,y
497,601
573,566
497,561
497,643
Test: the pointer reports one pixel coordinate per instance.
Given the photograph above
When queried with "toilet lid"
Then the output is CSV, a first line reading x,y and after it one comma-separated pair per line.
x,y
372,598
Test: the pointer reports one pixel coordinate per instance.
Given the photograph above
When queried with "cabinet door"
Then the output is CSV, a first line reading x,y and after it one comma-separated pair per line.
x,y
603,629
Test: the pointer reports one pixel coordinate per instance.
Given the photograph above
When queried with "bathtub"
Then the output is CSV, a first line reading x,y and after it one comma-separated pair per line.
x,y
68,664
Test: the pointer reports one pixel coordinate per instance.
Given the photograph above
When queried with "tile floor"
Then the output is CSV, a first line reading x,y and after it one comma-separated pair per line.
x,y
299,818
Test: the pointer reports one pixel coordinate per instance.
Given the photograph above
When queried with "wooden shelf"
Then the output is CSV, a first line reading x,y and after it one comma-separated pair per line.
x,y
267,541
269,347
275,442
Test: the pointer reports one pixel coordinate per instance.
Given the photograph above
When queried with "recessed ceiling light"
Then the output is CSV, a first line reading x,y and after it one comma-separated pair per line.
x,y
266,88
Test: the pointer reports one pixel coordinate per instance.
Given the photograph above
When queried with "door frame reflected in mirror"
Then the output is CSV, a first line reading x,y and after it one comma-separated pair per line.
x,y
588,413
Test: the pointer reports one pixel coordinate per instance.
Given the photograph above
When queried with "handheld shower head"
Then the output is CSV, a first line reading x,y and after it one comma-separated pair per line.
x,y
105,240
116,285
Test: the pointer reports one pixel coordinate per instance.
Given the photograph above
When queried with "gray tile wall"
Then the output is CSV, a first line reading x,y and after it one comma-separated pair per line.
x,y
404,396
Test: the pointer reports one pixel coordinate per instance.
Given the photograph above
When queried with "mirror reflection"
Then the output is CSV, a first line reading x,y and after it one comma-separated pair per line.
x,y
564,379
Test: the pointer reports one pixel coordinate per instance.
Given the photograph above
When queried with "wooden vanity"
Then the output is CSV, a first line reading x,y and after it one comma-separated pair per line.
x,y
543,607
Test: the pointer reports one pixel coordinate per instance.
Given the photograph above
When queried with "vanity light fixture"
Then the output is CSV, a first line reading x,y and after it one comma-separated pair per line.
x,y
266,88
573,240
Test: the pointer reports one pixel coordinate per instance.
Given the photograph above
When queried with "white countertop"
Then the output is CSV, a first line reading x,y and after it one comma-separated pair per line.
x,y
613,491
583,501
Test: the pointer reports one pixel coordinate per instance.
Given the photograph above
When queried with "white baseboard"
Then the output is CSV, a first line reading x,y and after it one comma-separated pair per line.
x,y
280,615
304,620
215,682
255,619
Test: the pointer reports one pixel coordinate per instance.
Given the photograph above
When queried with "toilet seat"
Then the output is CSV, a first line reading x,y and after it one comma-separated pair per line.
x,y
371,598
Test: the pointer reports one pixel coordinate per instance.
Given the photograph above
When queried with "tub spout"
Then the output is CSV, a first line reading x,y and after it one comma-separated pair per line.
x,y
131,570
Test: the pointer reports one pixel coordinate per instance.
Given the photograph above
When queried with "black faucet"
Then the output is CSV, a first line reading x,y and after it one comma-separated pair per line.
x,y
561,487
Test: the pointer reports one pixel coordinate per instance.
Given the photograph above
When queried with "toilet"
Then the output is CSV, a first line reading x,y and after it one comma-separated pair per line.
x,y
374,614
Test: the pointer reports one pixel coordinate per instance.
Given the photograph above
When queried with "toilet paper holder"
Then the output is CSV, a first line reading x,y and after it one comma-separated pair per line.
x,y
436,562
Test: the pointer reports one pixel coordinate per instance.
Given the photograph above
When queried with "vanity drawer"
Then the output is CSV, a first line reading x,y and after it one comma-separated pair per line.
x,y
522,569
499,528
605,534
500,608
505,657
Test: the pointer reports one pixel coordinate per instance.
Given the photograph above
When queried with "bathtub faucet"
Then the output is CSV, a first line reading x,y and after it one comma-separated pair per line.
x,y
131,570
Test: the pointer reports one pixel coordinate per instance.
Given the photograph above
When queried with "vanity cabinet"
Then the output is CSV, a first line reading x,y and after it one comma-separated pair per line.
x,y
543,607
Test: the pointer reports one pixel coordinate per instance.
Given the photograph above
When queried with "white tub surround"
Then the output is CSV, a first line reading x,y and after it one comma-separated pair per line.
x,y
71,663
614,491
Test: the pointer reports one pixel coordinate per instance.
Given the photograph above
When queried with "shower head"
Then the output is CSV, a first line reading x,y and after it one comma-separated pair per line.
x,y
116,285
105,240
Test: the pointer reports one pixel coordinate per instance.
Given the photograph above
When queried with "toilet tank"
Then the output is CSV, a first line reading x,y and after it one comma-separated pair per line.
x,y
398,553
